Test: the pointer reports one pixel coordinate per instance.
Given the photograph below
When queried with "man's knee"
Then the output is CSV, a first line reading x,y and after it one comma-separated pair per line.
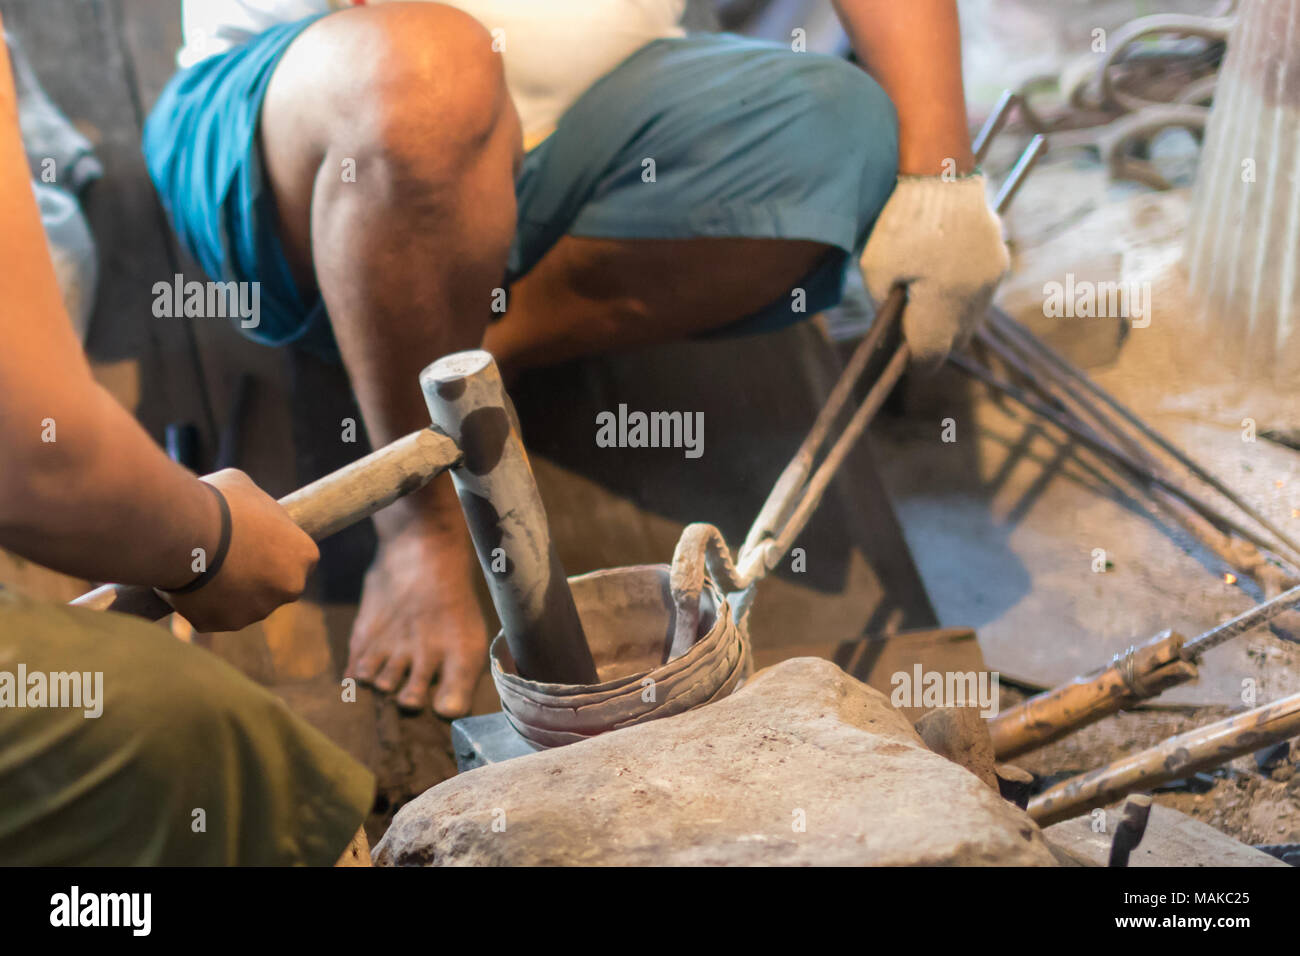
x,y
412,84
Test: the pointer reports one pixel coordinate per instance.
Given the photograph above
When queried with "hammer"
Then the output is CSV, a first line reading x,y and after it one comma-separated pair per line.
x,y
475,435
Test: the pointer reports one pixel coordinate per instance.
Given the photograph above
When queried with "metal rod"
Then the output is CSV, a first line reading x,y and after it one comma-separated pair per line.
x,y
1031,365
1051,355
782,498
1016,178
994,124
826,471
1207,533
1257,616
1101,446
507,520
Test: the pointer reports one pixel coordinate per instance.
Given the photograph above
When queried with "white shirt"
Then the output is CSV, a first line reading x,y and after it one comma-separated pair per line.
x,y
553,49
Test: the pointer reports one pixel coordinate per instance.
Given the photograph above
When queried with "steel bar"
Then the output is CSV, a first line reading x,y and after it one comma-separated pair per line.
x,y
1257,616
994,124
507,520
775,515
765,555
1103,447
1179,756
1016,178
1002,320
1208,533
1013,350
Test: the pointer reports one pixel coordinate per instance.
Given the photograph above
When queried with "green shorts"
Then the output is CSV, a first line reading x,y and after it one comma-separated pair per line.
x,y
749,139
121,745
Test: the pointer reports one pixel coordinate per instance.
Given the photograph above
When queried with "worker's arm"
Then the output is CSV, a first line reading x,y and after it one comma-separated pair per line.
x,y
937,234
913,49
83,489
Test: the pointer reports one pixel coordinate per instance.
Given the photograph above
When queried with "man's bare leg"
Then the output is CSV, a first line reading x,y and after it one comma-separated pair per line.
x,y
406,258
588,296
405,253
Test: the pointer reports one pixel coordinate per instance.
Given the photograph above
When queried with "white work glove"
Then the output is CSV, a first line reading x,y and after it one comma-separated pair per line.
x,y
940,238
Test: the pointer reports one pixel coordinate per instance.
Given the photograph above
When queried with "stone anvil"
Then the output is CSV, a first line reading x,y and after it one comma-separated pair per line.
x,y
802,765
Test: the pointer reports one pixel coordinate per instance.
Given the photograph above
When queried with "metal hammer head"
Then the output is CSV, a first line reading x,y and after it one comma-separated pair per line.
x,y
506,519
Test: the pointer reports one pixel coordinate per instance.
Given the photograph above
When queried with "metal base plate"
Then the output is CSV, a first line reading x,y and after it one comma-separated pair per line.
x,y
486,739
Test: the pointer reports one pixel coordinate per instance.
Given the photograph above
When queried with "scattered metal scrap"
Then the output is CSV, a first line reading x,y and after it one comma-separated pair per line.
x,y
1155,73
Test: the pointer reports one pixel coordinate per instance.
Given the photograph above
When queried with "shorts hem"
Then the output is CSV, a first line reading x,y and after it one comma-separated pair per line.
x,y
723,222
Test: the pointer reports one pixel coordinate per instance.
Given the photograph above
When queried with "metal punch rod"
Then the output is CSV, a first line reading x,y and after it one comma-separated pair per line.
x,y
476,437
507,520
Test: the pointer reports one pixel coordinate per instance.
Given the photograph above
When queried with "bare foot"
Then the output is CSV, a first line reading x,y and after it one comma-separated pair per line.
x,y
419,618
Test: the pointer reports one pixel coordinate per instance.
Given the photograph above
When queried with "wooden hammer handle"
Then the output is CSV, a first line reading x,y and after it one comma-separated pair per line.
x,y
322,508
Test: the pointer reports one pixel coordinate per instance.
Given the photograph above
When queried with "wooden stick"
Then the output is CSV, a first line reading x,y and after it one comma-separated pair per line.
x,y
1140,673
1130,678
1179,756
325,506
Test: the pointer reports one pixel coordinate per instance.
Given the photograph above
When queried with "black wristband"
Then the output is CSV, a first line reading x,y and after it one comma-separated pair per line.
x,y
223,546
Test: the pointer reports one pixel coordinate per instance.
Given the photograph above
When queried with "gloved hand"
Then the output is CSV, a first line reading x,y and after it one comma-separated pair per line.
x,y
940,238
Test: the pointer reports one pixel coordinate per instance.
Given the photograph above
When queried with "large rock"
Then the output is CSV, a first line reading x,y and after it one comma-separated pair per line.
x,y
803,765
961,735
